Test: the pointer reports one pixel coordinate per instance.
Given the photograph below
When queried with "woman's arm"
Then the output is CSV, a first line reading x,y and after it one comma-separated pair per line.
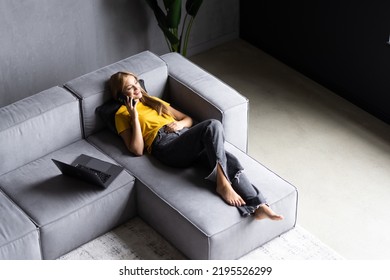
x,y
133,136
182,120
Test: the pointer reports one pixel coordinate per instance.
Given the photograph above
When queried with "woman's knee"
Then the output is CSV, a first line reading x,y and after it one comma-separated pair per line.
x,y
215,125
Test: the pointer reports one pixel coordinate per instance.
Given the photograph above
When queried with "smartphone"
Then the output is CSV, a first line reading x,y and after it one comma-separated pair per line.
x,y
123,99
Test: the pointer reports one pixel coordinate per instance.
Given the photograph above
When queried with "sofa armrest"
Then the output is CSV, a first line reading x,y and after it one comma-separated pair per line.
x,y
203,96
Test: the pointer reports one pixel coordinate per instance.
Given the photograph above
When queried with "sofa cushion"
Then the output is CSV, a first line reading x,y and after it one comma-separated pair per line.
x,y
19,237
93,90
107,113
35,126
69,212
184,207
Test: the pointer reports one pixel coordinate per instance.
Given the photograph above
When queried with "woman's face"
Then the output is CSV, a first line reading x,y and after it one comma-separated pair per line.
x,y
131,87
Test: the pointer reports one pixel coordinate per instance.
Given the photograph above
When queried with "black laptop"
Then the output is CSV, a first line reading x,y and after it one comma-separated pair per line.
x,y
91,170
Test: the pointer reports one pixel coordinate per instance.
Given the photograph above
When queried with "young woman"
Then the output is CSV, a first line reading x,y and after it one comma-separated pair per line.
x,y
149,123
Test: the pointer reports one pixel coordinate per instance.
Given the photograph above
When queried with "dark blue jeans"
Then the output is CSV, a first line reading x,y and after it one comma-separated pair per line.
x,y
205,141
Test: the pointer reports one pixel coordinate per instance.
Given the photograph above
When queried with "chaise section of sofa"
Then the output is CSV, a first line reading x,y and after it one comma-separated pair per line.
x,y
182,206
178,202
66,212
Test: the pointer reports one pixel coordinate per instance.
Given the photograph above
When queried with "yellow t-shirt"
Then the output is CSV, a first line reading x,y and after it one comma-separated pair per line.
x,y
149,119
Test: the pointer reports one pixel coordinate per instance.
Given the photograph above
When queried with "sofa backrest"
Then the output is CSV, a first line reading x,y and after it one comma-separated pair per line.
x,y
93,91
36,126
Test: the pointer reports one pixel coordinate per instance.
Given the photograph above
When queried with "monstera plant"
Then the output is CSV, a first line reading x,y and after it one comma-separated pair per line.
x,y
169,21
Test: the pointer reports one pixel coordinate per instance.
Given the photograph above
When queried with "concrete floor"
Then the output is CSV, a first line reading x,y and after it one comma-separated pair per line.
x,y
337,155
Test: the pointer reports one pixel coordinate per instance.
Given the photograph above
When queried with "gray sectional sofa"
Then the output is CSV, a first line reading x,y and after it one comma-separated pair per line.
x,y
45,214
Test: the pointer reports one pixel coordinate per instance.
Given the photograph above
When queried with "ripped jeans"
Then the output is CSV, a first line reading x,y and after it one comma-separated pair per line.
x,y
205,141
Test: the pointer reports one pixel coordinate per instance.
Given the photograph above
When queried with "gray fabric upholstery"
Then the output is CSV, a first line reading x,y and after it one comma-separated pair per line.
x,y
92,88
203,96
68,211
65,212
19,238
184,207
29,128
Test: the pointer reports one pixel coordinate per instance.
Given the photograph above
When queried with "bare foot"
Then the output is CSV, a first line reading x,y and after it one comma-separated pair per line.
x,y
229,195
226,191
264,212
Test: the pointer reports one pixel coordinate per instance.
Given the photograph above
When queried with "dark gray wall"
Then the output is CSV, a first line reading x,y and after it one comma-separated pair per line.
x,y
44,43
340,44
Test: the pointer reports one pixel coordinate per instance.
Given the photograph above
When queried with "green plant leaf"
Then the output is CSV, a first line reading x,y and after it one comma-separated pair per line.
x,y
172,38
173,8
169,22
158,12
168,3
192,7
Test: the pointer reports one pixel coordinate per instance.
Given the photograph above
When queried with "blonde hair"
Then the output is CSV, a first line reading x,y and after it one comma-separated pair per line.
x,y
117,85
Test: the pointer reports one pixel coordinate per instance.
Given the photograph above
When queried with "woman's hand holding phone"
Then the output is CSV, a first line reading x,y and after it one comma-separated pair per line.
x,y
131,105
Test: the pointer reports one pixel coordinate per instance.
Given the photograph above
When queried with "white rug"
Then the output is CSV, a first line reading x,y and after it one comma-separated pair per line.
x,y
135,240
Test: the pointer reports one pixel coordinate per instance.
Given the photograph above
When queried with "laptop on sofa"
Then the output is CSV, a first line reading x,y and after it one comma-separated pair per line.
x,y
91,170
